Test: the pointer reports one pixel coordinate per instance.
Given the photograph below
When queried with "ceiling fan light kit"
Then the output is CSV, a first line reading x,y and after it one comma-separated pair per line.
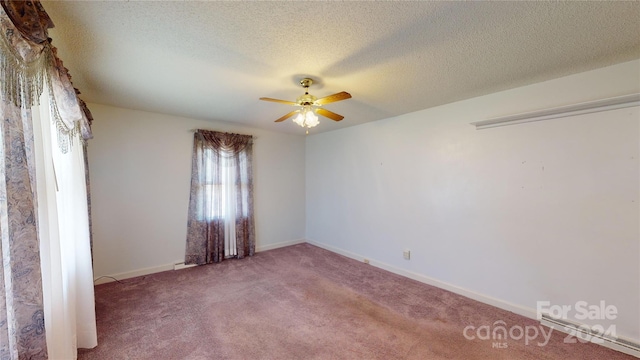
x,y
310,106
306,117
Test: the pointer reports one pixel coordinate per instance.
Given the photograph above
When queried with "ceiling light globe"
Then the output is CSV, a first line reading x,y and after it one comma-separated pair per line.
x,y
299,119
311,119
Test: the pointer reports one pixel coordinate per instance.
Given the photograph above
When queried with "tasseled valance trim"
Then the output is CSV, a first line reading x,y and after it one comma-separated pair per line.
x,y
27,66
22,81
22,84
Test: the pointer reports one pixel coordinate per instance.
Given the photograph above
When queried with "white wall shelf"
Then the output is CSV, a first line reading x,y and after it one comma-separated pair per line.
x,y
618,102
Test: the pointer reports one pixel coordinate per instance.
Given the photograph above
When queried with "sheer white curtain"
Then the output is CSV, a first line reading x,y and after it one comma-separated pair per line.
x,y
220,182
229,198
67,274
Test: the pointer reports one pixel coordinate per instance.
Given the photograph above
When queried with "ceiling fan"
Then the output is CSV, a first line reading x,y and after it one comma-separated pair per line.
x,y
310,106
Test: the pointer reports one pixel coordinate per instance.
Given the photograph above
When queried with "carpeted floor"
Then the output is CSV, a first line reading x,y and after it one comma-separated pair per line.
x,y
303,302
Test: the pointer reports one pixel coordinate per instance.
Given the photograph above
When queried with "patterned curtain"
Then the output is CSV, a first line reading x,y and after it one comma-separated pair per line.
x,y
28,62
22,334
221,200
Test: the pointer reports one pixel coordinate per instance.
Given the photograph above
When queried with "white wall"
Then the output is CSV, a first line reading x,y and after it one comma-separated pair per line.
x,y
511,215
140,167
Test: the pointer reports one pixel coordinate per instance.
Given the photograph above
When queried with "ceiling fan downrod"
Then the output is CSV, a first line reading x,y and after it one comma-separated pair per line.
x,y
306,82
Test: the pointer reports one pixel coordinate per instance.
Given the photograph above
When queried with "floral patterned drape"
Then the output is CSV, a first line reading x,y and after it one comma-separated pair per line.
x,y
21,308
220,158
28,62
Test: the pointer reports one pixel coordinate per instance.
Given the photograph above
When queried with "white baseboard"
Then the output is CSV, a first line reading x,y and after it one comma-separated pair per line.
x,y
279,245
131,274
505,305
179,264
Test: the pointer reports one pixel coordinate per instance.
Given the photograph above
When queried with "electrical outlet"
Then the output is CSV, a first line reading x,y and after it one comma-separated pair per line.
x,y
406,254
366,261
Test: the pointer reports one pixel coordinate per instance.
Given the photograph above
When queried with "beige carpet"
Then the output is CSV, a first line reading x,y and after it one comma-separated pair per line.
x,y
303,302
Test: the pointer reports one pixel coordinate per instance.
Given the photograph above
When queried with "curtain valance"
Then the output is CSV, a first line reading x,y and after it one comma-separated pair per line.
x,y
227,142
28,62
30,18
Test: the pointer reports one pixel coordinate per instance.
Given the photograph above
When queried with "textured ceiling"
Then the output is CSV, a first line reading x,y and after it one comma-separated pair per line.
x,y
213,60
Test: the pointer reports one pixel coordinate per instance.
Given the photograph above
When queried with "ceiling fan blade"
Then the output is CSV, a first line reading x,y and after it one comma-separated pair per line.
x,y
333,98
287,116
329,114
278,101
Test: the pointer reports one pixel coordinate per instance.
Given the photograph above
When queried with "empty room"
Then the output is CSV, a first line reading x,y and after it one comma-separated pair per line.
x,y
320,180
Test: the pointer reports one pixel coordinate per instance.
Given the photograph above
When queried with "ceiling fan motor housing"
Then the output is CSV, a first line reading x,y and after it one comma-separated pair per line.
x,y
306,100
306,82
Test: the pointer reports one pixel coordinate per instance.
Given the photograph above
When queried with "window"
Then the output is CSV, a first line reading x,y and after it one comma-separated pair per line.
x,y
223,186
221,206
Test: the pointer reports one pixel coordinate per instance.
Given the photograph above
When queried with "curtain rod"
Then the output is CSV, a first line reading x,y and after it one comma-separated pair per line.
x,y
618,102
224,132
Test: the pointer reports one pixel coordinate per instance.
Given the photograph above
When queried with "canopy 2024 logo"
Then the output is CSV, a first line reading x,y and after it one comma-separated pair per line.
x,y
540,335
582,311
